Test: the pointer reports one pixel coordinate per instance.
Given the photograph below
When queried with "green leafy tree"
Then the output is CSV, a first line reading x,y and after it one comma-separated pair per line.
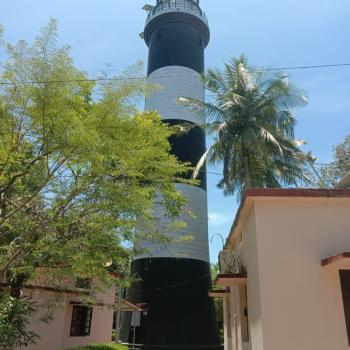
x,y
250,119
79,168
331,174
218,303
15,316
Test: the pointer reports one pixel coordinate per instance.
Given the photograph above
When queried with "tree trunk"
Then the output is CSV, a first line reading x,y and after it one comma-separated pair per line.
x,y
248,180
17,284
2,205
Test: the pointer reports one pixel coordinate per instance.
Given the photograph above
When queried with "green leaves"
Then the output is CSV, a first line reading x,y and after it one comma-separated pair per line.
x,y
79,166
251,120
330,175
1,34
15,315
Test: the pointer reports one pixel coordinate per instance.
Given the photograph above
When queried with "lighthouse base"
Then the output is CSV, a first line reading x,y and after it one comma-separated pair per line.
x,y
178,314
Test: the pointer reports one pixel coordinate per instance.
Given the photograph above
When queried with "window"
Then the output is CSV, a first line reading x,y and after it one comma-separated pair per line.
x,y
345,287
81,321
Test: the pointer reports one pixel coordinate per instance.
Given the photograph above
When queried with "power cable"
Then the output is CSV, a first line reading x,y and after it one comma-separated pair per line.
x,y
164,76
317,164
173,285
310,67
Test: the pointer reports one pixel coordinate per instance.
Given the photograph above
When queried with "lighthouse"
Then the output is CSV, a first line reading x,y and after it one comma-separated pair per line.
x,y
175,278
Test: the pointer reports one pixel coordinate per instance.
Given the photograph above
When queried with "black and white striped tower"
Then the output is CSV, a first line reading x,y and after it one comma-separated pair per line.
x,y
176,277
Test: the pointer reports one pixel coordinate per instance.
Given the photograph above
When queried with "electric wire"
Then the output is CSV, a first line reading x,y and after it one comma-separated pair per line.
x,y
316,164
103,79
311,67
174,285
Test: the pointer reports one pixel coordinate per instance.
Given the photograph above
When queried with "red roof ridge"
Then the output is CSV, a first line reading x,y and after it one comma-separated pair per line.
x,y
287,193
334,258
296,192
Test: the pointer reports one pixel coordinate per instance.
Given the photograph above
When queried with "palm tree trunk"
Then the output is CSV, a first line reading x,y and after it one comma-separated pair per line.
x,y
247,179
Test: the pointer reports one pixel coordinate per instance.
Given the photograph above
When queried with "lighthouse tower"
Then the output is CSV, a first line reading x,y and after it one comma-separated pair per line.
x,y
175,278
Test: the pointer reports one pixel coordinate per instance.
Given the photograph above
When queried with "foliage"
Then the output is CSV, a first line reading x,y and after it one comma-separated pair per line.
x,y
1,33
218,303
103,347
339,167
251,121
79,167
14,317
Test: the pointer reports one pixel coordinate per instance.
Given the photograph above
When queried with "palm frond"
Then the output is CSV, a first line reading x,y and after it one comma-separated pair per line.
x,y
206,111
249,114
201,163
267,136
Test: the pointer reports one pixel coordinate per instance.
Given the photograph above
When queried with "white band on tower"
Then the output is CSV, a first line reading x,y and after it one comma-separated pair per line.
x,y
170,83
190,242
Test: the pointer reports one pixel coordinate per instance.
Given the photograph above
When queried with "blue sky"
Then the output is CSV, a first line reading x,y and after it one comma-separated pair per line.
x,y
271,33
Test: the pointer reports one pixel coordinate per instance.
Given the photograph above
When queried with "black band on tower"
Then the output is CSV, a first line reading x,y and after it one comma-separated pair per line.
x,y
176,39
189,147
179,312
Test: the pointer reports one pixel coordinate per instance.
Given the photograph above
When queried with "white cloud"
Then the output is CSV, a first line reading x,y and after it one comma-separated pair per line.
x,y
216,219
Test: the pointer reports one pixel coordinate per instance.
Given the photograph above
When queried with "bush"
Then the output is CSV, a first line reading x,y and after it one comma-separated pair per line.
x,y
15,315
103,347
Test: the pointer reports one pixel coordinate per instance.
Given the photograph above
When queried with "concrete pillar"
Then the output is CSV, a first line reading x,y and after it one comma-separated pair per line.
x,y
235,318
227,323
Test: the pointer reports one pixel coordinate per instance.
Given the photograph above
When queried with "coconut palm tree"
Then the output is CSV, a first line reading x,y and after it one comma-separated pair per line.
x,y
250,119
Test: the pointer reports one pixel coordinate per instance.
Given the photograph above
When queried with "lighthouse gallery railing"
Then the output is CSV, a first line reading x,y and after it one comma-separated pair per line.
x,y
187,6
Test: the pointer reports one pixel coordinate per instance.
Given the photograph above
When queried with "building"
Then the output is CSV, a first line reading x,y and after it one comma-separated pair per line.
x,y
176,277
77,313
288,285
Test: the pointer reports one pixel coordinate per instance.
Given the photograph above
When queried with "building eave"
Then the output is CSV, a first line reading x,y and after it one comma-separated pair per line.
x,y
217,293
335,258
126,306
231,279
253,194
76,291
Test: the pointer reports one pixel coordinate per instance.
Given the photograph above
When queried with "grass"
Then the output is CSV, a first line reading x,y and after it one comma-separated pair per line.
x,y
103,347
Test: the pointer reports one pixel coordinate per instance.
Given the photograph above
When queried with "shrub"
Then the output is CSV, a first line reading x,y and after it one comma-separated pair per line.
x,y
14,320
103,347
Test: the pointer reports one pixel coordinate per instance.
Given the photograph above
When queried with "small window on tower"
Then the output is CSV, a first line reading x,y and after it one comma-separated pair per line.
x,y
81,321
345,287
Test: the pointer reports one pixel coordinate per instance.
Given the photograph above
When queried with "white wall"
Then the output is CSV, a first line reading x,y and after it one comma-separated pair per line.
x,y
55,335
52,333
301,302
247,250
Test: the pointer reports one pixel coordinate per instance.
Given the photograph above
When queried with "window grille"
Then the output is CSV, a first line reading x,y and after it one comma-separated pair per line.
x,y
81,321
